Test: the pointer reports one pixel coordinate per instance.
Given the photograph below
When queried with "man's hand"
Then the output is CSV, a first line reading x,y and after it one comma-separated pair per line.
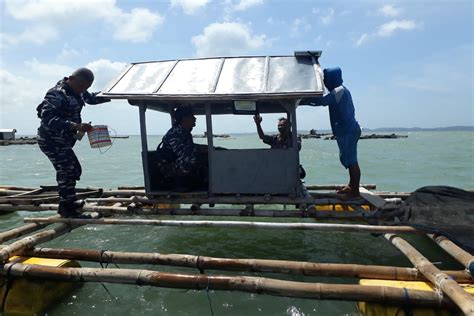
x,y
81,127
258,119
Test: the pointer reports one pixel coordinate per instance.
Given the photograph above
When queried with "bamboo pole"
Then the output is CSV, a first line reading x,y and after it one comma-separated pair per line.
x,y
251,265
130,209
461,298
462,256
20,231
336,186
232,224
7,192
309,187
259,285
18,246
54,207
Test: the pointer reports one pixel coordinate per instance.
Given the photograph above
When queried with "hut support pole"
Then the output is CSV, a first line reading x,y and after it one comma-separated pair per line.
x,y
461,298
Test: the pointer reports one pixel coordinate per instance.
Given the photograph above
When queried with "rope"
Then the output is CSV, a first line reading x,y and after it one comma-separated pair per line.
x,y
8,284
101,262
201,270
208,297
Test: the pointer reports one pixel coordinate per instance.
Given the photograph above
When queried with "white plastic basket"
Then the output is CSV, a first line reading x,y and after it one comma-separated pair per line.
x,y
99,136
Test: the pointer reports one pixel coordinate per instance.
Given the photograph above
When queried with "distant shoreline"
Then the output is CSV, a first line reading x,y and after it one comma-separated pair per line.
x,y
364,130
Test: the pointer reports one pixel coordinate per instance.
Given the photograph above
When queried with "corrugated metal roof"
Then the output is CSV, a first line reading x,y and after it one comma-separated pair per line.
x,y
219,78
7,130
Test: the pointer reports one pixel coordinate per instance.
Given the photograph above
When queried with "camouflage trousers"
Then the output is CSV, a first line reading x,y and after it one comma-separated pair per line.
x,y
67,166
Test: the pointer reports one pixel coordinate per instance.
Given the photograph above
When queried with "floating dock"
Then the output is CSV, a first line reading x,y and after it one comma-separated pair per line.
x,y
387,290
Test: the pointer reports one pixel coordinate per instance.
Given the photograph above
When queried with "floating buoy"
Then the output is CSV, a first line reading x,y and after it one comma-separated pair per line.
x,y
22,296
376,309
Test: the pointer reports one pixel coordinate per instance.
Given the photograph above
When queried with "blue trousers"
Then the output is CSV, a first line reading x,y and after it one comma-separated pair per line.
x,y
67,166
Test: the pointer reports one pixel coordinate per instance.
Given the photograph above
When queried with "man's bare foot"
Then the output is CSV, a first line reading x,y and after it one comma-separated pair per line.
x,y
345,189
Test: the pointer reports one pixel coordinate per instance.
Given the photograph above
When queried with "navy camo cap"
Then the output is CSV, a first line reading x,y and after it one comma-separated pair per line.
x,y
182,112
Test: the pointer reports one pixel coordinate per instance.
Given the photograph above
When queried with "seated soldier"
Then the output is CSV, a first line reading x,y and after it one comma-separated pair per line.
x,y
188,161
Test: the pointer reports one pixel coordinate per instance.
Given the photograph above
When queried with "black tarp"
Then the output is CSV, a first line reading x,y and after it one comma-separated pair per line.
x,y
441,209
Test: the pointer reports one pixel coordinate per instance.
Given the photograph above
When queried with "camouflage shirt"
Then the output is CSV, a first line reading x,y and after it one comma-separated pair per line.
x,y
180,142
60,107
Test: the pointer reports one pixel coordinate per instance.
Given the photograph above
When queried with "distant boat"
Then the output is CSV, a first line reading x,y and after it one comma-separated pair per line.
x,y
126,136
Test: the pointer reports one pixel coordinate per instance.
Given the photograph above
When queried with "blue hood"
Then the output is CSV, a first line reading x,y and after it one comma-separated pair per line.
x,y
332,78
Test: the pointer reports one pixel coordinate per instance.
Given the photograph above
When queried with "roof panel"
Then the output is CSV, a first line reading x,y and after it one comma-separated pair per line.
x,y
291,75
241,75
142,78
191,77
223,78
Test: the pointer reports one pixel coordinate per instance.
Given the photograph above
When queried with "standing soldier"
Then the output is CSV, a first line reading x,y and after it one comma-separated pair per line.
x,y
60,114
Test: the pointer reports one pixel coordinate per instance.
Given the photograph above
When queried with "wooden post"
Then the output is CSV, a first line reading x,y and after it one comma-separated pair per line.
x,y
210,144
461,298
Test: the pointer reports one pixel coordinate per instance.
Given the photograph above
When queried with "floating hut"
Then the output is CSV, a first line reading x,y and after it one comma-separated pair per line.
x,y
7,133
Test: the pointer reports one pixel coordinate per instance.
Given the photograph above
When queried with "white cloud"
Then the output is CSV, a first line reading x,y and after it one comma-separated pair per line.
x,y
228,38
389,28
362,39
299,26
23,91
389,10
189,6
68,53
136,25
245,4
327,16
36,34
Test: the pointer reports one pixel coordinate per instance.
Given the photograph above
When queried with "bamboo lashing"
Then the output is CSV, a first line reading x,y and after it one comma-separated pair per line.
x,y
233,224
461,298
251,265
260,285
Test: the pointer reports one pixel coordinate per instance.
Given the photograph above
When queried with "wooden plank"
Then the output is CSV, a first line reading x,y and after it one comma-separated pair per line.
x,y
370,197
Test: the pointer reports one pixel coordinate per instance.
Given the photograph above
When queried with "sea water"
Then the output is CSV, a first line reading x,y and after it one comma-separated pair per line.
x,y
405,164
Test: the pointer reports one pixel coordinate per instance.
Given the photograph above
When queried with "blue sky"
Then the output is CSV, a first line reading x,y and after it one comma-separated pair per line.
x,y
407,63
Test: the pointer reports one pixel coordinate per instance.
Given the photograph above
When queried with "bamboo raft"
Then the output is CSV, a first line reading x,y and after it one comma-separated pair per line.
x,y
125,203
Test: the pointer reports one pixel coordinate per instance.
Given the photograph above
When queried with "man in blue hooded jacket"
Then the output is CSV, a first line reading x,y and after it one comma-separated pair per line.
x,y
343,123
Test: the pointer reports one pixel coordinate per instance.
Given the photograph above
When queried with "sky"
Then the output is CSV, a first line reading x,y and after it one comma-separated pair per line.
x,y
406,63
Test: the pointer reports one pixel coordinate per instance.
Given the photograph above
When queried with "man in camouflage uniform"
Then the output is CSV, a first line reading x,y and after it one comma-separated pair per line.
x,y
60,114
189,160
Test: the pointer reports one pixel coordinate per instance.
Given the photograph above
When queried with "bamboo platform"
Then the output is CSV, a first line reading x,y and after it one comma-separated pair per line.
x,y
127,205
